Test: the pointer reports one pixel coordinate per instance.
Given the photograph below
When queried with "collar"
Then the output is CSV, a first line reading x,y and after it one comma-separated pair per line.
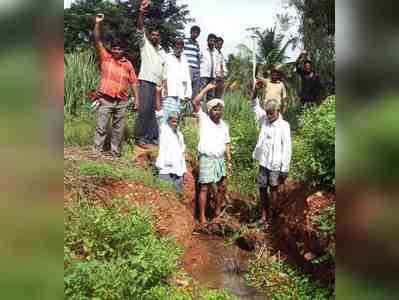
x,y
275,123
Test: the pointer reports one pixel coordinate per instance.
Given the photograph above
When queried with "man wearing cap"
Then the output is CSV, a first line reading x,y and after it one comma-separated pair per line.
x,y
213,150
171,162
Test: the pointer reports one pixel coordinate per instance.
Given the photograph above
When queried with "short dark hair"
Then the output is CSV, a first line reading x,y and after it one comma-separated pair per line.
x,y
195,28
219,38
117,42
211,36
308,61
179,40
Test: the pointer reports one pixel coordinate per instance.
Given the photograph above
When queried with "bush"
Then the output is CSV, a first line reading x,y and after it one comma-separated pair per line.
x,y
114,253
313,160
280,281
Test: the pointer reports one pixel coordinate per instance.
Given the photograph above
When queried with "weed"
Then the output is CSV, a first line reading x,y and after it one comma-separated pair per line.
x,y
281,281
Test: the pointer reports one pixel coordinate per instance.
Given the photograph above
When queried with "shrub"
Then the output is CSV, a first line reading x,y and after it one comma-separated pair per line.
x,y
280,281
114,253
314,148
326,221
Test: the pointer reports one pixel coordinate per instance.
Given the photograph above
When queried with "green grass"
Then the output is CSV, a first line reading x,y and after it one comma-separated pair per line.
x,y
81,75
128,172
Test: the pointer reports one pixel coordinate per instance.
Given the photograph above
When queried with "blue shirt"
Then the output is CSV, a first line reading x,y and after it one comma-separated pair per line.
x,y
192,52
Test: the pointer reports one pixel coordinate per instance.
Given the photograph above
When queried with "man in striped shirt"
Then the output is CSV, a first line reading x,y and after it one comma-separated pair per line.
x,y
117,73
192,54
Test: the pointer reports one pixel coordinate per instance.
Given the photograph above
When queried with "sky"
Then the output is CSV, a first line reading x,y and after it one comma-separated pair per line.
x,y
231,18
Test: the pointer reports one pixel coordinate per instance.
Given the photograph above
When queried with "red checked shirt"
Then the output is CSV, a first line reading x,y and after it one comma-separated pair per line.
x,y
116,75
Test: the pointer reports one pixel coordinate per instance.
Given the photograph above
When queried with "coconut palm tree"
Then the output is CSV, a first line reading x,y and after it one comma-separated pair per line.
x,y
271,47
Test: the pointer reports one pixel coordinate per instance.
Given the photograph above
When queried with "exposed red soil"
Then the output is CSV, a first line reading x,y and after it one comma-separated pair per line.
x,y
293,230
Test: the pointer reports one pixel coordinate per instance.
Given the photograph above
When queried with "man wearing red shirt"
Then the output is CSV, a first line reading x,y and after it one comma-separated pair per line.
x,y
117,73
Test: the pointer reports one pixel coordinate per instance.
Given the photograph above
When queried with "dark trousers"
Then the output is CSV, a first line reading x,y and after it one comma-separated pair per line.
x,y
146,129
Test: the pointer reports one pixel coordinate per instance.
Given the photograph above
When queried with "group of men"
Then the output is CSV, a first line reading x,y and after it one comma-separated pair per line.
x,y
181,73
190,73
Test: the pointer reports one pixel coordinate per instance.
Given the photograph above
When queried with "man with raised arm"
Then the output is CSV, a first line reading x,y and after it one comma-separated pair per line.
x,y
272,151
213,150
150,76
117,72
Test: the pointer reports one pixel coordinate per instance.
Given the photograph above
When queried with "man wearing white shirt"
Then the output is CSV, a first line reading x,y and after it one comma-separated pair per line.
x,y
214,151
208,64
171,162
177,81
272,151
221,69
150,76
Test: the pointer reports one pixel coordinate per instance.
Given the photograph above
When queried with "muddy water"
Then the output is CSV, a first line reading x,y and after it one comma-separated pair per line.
x,y
225,269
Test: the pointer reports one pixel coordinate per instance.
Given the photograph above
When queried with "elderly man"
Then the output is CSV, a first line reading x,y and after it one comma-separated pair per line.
x,y
213,149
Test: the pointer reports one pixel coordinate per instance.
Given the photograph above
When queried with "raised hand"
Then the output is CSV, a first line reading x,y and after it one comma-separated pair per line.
x,y
144,5
99,18
210,86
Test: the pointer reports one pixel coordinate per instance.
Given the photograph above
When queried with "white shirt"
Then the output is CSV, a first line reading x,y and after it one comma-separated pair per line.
x,y
221,69
206,59
273,149
177,75
212,137
152,61
171,158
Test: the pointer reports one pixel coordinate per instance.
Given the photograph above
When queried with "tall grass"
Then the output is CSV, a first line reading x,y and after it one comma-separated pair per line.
x,y
237,105
81,75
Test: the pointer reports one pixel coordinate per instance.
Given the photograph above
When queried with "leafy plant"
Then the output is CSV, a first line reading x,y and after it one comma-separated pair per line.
x,y
314,147
113,252
280,281
326,221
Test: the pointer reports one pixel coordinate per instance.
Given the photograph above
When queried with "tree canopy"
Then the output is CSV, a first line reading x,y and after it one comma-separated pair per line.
x,y
120,21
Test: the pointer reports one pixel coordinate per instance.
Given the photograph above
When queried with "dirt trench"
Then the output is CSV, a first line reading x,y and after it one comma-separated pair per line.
x,y
292,233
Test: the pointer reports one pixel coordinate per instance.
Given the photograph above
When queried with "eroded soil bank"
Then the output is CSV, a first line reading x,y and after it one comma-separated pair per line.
x,y
218,255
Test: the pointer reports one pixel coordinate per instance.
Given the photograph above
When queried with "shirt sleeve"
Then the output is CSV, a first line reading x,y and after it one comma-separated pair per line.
x,y
227,135
158,116
286,148
184,165
259,112
188,92
132,76
201,115
142,39
283,91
